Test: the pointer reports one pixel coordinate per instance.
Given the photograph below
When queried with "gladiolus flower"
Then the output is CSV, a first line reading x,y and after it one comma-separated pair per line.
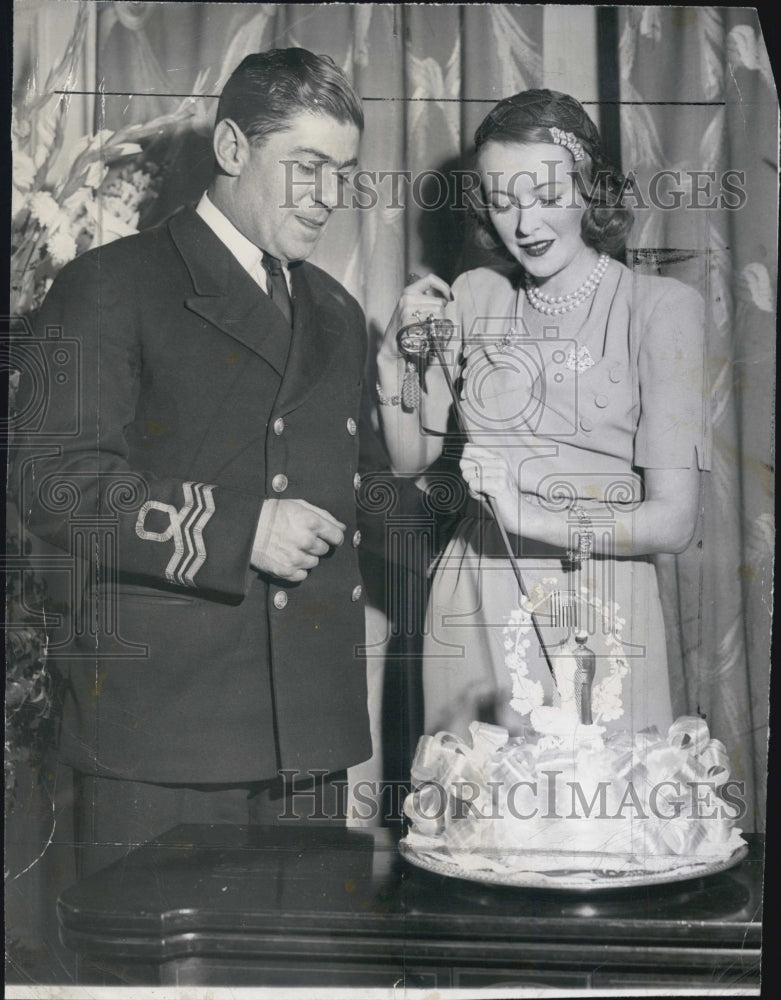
x,y
62,247
45,209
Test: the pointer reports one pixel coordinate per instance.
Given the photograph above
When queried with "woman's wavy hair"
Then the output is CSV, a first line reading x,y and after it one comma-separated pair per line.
x,y
528,117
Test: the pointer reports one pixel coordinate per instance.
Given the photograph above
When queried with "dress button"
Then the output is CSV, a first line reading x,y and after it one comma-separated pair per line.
x,y
585,424
279,426
356,539
615,375
352,427
357,591
280,599
279,483
357,481
601,400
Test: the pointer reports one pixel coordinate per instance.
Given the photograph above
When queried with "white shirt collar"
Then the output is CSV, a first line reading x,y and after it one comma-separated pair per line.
x,y
244,250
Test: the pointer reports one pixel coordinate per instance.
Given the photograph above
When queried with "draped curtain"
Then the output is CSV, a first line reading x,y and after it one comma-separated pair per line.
x,y
695,94
681,89
698,96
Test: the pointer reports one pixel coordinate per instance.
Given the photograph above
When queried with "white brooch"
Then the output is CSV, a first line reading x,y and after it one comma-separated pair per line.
x,y
581,361
569,141
508,341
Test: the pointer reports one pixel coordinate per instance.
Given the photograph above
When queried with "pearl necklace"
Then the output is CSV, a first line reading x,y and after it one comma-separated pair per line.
x,y
557,305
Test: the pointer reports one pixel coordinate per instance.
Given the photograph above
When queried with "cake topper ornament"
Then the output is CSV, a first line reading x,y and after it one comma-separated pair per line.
x,y
584,677
565,667
570,717
574,668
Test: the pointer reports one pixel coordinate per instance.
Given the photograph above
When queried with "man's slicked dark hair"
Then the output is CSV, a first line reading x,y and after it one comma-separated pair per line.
x,y
268,89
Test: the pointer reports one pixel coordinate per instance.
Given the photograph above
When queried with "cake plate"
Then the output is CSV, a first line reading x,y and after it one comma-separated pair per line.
x,y
545,870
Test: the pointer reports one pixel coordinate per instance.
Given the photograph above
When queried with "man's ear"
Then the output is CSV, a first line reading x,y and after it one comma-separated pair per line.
x,y
231,149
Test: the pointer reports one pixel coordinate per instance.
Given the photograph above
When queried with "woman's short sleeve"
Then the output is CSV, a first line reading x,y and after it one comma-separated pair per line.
x,y
673,430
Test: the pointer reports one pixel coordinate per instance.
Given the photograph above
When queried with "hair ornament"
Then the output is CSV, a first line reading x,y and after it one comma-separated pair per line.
x,y
569,141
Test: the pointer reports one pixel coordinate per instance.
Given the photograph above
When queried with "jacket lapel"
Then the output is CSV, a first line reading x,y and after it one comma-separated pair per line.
x,y
316,337
225,295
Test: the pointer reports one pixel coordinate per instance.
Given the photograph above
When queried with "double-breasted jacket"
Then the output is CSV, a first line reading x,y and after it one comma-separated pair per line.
x,y
190,403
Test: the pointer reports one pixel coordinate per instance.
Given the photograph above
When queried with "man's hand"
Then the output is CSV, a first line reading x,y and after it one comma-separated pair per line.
x,y
291,538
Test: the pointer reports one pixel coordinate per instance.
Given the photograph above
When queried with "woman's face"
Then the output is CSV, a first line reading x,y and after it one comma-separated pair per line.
x,y
535,205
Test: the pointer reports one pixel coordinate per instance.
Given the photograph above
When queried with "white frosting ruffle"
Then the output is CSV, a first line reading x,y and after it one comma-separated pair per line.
x,y
569,800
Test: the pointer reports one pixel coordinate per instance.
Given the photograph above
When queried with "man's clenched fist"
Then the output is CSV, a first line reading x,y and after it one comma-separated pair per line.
x,y
291,538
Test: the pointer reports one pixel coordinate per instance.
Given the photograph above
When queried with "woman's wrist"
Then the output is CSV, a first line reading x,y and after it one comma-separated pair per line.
x,y
568,529
389,356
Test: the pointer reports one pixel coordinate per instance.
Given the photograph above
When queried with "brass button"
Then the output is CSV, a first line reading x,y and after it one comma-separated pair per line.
x,y
616,374
279,483
356,539
357,481
352,427
279,426
357,591
280,599
586,424
601,400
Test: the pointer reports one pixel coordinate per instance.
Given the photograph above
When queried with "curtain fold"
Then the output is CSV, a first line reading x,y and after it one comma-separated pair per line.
x,y
703,105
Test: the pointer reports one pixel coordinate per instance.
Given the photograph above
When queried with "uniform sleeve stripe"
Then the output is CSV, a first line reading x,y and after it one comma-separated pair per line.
x,y
192,515
179,546
189,549
198,525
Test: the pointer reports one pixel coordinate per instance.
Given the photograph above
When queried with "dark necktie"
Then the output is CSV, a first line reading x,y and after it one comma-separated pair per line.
x,y
276,286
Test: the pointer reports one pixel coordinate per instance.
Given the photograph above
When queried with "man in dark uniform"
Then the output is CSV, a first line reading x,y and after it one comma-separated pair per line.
x,y
205,484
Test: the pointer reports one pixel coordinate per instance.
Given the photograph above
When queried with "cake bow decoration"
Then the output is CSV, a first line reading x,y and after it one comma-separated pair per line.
x,y
690,732
444,767
648,802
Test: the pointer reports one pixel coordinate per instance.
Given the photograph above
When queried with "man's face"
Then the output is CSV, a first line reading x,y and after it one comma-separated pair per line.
x,y
291,183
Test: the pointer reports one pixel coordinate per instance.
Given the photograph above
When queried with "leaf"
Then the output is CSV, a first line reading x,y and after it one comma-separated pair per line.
x,y
64,72
363,14
721,392
712,145
746,49
651,23
761,539
730,653
640,143
515,55
712,44
115,151
755,287
249,38
426,82
627,44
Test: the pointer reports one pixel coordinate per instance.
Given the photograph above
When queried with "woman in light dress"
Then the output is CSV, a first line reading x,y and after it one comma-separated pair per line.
x,y
583,404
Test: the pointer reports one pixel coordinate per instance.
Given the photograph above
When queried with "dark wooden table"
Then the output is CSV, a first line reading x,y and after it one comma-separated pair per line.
x,y
263,906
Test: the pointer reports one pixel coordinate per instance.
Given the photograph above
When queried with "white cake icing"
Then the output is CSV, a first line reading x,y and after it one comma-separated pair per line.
x,y
565,797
